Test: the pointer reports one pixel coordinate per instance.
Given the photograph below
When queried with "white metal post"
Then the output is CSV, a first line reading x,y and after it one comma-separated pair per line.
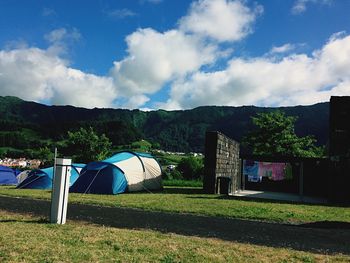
x,y
60,189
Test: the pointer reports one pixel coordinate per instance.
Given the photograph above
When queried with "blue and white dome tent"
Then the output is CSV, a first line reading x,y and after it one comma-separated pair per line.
x,y
22,176
100,178
8,176
42,178
124,171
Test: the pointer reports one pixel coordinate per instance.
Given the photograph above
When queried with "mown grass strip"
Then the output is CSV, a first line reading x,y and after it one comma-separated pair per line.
x,y
191,200
26,238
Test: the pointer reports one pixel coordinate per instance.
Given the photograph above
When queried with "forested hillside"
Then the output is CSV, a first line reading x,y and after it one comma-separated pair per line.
x,y
28,125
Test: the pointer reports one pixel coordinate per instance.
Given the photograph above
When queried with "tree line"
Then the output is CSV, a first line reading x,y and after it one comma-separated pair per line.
x,y
273,135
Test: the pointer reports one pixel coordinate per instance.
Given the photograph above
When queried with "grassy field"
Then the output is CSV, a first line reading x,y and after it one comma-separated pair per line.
x,y
182,183
191,200
26,238
167,159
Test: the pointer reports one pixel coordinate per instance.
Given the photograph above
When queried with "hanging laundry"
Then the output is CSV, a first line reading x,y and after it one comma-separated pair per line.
x,y
278,171
265,169
255,171
251,170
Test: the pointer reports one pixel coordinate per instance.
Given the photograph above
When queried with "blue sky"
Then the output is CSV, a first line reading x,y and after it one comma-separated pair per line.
x,y
152,54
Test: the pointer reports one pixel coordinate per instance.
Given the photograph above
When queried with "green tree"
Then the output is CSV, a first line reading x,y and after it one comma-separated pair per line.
x,y
274,135
191,168
155,145
85,145
46,155
3,153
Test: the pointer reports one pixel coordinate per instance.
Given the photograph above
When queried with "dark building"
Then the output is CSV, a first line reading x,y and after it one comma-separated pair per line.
x,y
222,164
339,149
339,126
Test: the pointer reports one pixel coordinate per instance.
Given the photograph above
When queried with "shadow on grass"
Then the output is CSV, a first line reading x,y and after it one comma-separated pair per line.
x,y
310,238
267,200
327,225
38,221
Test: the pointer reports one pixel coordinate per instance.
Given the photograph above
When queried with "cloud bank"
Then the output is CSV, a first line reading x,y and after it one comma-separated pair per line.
x,y
220,20
157,58
182,60
293,79
39,75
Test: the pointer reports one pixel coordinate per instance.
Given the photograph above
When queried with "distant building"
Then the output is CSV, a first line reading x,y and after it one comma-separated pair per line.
x,y
33,164
20,163
171,167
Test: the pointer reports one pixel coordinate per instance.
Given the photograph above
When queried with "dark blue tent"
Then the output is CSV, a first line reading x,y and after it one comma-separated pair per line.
x,y
100,178
42,179
7,176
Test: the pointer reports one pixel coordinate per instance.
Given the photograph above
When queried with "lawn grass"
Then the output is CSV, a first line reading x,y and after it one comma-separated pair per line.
x,y
26,238
183,183
191,200
169,158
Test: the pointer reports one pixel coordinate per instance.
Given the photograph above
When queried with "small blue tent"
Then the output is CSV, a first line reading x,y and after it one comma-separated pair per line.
x,y
124,171
8,175
100,178
42,178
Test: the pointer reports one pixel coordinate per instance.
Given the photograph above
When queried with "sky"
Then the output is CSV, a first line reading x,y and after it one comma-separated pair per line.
x,y
174,54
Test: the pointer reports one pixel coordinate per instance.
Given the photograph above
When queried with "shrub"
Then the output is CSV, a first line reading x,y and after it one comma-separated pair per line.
x,y
191,168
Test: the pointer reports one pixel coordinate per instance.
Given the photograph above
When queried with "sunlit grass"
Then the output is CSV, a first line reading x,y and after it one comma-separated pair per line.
x,y
26,238
191,200
183,183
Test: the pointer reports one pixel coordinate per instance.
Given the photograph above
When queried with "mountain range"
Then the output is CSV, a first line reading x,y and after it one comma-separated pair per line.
x,y
25,124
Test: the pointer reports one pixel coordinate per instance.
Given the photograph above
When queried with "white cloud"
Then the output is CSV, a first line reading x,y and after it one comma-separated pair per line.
x,y
120,13
294,79
282,49
62,34
135,101
48,12
61,39
16,44
74,87
300,6
154,60
221,20
36,74
151,1
157,58
183,59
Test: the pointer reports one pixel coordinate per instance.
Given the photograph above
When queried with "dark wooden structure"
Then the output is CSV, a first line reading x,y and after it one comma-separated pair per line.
x,y
339,124
339,149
